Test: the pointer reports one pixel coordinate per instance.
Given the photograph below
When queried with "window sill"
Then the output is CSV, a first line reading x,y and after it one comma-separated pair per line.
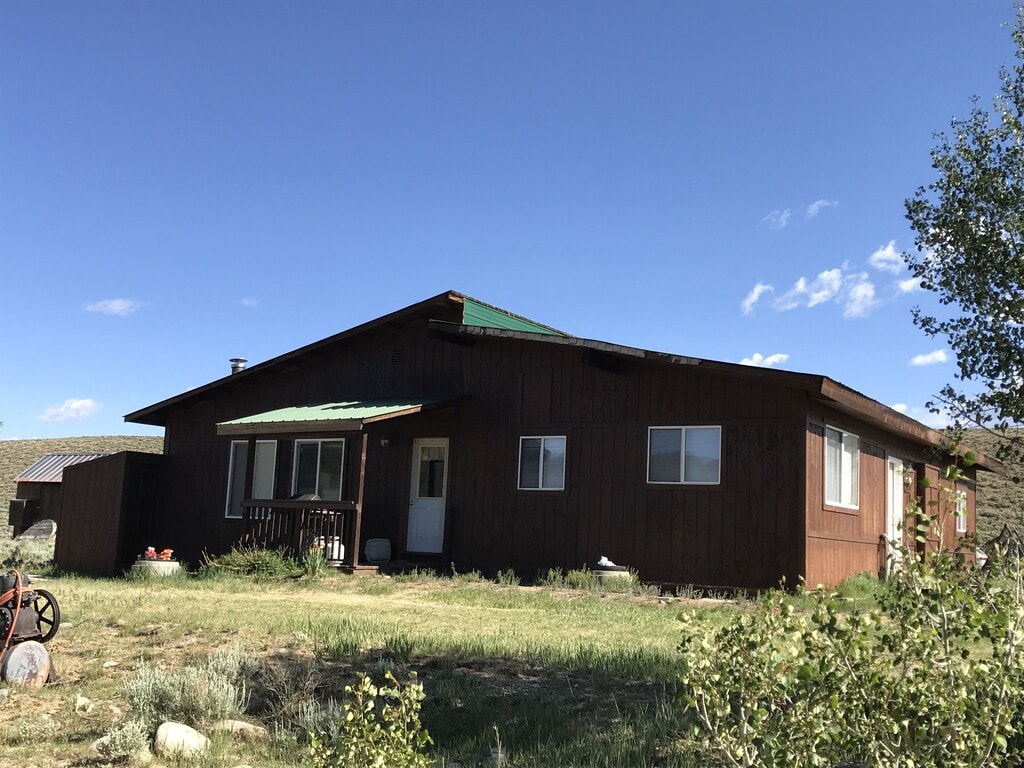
x,y
841,510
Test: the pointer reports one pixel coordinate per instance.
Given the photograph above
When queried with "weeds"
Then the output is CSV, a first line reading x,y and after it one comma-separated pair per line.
x,y
249,561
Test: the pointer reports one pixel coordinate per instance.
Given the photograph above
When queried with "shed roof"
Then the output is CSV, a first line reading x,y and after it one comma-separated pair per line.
x,y
336,417
50,468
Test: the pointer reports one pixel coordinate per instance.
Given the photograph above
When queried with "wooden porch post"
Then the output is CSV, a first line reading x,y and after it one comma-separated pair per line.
x,y
359,502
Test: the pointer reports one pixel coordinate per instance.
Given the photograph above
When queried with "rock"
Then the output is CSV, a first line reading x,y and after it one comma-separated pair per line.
x,y
82,704
4,694
176,739
242,730
110,664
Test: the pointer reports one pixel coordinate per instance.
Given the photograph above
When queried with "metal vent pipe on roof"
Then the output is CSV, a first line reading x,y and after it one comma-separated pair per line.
x,y
238,364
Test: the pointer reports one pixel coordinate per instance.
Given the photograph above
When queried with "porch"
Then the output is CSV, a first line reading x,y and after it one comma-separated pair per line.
x,y
295,527
322,452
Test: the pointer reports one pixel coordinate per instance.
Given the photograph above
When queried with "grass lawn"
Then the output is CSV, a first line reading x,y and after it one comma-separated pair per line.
x,y
558,677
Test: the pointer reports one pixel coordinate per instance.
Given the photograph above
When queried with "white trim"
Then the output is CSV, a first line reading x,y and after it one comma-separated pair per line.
x,y
824,478
231,472
682,455
962,515
540,475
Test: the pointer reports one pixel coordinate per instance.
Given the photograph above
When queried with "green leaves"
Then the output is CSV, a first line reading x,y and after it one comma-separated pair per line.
x,y
970,235
933,676
381,728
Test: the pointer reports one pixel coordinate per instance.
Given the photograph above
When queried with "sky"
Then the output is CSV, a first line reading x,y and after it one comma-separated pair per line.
x,y
186,182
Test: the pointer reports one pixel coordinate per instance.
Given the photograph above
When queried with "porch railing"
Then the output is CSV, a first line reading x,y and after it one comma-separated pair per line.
x,y
292,527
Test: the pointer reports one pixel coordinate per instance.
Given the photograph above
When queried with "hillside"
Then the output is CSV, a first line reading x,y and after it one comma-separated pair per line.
x,y
1000,500
18,455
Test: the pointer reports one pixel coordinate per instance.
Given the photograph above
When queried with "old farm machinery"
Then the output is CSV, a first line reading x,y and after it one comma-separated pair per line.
x,y
29,617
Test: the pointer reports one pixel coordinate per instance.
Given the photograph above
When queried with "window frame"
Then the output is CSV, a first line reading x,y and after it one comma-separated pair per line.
x,y
682,455
231,474
840,504
961,513
319,441
540,474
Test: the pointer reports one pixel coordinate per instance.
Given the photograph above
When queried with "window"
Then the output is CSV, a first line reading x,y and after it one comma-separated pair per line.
x,y
689,455
262,475
542,463
961,512
842,468
318,468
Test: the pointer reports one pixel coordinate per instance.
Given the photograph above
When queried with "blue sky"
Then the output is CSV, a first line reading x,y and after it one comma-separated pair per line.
x,y
186,182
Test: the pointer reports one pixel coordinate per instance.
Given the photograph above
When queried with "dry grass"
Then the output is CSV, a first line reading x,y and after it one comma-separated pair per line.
x,y
537,664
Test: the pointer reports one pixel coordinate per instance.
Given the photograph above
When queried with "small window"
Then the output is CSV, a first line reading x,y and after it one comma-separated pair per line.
x,y
542,463
262,476
684,455
319,465
842,468
961,512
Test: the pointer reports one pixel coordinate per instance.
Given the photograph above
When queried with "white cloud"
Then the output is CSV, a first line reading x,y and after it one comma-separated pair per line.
x,y
250,301
860,299
756,293
824,287
909,285
778,219
900,407
70,410
887,259
816,207
760,361
931,358
119,307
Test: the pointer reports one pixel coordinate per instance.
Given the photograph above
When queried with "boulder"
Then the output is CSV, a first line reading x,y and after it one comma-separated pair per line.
x,y
239,729
177,739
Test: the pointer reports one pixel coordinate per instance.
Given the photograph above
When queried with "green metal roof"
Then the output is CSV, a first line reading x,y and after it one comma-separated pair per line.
x,y
486,316
340,417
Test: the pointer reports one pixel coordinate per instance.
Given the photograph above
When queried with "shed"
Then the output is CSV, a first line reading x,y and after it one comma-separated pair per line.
x,y
40,486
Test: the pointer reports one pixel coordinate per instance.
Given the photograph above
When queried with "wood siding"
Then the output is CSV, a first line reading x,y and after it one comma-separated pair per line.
x,y
746,532
106,513
842,542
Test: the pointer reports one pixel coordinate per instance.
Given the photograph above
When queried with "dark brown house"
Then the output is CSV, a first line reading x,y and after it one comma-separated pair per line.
x,y
465,434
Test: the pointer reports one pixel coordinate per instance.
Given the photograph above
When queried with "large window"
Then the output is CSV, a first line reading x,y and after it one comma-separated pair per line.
x,y
690,455
262,475
318,468
542,463
842,468
961,512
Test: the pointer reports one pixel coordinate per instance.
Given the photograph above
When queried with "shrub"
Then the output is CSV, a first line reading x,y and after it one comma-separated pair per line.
x,y
249,561
195,696
932,677
381,727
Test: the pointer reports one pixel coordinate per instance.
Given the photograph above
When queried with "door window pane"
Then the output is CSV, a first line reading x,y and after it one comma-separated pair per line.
x,y
431,473
307,459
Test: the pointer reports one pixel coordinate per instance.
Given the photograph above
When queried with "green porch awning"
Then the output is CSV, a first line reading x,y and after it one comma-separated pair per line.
x,y
329,417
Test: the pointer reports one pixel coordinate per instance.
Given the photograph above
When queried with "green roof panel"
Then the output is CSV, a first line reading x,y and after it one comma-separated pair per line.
x,y
486,316
345,416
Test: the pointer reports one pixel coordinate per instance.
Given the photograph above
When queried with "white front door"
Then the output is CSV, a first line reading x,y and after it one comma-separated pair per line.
x,y
427,492
894,510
